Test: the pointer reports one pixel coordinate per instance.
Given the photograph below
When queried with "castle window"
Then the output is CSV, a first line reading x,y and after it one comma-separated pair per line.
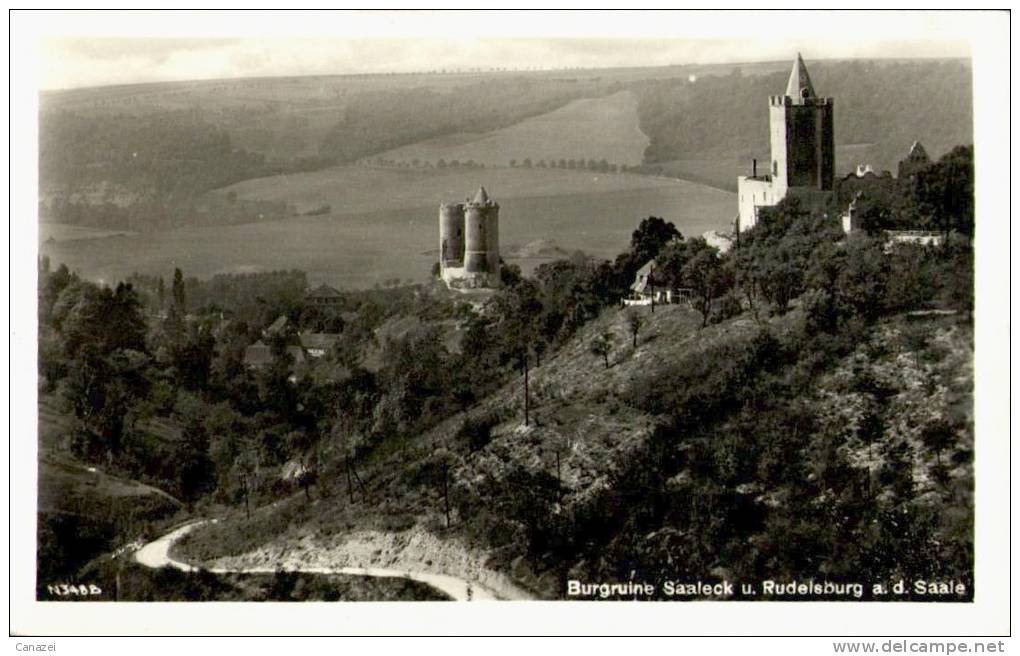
x,y
775,167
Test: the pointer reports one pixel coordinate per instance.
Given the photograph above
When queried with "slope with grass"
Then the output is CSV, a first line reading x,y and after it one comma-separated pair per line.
x,y
84,511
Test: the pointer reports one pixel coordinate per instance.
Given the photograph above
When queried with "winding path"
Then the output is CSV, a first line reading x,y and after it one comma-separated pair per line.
x,y
157,554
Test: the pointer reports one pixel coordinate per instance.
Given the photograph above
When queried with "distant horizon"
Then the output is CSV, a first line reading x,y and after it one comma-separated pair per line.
x,y
494,71
86,63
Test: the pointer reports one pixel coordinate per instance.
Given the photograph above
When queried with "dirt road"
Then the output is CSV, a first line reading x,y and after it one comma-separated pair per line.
x,y
157,554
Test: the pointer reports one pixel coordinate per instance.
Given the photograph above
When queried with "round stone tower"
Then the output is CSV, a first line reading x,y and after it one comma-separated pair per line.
x,y
481,239
451,235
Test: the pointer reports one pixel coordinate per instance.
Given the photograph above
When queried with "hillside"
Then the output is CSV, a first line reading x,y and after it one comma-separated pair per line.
x,y
601,424
83,510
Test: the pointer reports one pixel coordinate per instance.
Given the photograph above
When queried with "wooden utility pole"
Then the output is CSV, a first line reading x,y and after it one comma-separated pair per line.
x,y
527,398
446,493
245,489
347,467
559,478
361,484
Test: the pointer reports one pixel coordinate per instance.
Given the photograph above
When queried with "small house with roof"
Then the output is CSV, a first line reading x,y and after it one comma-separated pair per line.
x,y
324,295
260,355
317,345
644,291
277,327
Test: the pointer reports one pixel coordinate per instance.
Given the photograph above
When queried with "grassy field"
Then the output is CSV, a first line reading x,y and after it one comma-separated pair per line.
x,y
383,223
591,128
356,189
65,232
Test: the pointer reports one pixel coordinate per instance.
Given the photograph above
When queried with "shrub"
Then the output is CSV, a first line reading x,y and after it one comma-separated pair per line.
x,y
477,430
727,307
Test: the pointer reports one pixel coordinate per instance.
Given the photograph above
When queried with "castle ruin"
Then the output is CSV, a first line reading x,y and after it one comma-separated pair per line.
x,y
469,243
803,151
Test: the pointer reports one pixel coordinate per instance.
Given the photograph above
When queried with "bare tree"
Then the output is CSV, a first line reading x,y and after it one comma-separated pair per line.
x,y
444,459
634,322
602,345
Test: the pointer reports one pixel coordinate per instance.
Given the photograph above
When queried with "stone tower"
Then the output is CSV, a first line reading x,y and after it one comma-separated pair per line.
x,y
803,153
803,150
451,235
469,242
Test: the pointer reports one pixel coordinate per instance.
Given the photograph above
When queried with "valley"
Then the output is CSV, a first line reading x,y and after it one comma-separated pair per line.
x,y
382,223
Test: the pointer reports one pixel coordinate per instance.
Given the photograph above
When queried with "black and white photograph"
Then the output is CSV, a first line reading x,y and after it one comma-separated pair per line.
x,y
470,314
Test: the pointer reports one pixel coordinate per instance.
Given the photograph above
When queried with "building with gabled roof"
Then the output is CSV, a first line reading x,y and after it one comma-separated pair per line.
x,y
258,355
324,295
644,292
277,327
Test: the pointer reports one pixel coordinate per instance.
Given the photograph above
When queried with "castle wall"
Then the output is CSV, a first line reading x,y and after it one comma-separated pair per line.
x,y
778,139
753,193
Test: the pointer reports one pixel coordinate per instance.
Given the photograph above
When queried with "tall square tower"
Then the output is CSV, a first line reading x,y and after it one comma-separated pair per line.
x,y
803,151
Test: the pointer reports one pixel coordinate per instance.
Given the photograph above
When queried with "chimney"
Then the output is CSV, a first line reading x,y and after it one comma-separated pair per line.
x,y
754,167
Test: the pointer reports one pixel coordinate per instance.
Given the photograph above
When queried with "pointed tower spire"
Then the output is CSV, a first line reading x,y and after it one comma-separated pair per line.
x,y
799,87
482,198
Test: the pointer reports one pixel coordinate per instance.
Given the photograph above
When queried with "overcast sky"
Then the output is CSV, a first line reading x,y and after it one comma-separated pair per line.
x,y
107,50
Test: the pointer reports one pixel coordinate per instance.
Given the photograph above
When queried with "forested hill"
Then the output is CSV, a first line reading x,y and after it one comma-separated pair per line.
x,y
181,138
880,109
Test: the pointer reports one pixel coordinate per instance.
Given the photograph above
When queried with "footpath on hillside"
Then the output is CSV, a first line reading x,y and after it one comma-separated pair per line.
x,y
361,548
